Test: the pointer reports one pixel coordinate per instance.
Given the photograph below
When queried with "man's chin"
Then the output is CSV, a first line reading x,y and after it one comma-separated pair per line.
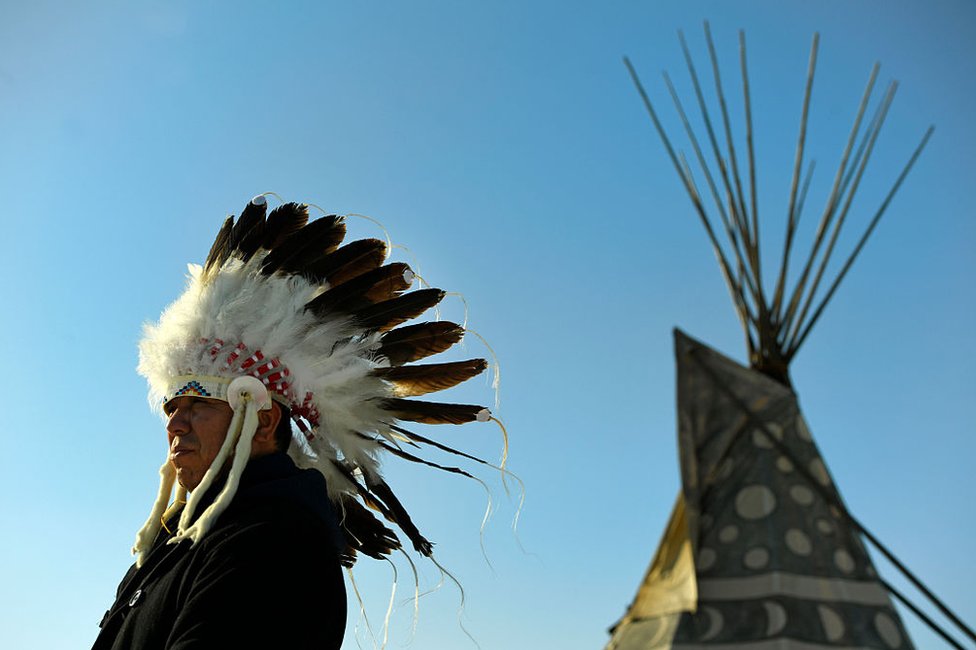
x,y
187,478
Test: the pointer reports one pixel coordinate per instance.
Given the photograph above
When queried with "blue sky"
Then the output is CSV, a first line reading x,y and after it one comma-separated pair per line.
x,y
504,145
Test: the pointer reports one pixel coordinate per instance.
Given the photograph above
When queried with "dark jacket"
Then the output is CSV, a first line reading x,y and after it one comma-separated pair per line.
x,y
266,575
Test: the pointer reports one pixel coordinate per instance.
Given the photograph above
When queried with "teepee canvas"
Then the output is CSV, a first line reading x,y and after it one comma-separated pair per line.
x,y
760,551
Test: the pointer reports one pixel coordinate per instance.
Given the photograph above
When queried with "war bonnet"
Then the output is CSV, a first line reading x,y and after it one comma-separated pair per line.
x,y
283,310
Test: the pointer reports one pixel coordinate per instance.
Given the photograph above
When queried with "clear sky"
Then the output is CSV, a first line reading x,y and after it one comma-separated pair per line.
x,y
503,144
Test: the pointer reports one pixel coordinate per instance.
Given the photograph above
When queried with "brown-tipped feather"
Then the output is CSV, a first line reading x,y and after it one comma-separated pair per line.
x,y
415,342
369,499
399,515
282,222
416,437
392,280
388,314
431,412
416,459
220,250
371,287
347,262
305,246
364,532
410,381
248,233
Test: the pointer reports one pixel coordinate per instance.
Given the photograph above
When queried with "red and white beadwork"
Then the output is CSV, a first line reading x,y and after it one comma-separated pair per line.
x,y
271,372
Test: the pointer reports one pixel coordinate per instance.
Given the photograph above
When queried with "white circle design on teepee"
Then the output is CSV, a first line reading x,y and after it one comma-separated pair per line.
x,y
888,630
819,471
843,560
755,502
728,534
833,625
756,558
798,542
775,617
760,439
706,558
801,494
715,622
802,432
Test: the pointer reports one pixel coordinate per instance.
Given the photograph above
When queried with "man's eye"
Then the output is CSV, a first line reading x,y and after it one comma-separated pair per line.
x,y
185,403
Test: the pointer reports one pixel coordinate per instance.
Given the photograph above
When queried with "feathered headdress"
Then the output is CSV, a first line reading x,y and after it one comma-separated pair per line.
x,y
282,310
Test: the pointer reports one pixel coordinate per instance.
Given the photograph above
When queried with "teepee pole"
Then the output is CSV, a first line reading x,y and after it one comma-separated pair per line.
x,y
922,615
747,102
737,197
798,341
730,229
842,217
734,212
835,192
765,335
925,618
791,323
709,129
735,289
747,318
792,209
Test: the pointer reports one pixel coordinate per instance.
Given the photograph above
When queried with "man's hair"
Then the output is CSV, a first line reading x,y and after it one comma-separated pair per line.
x,y
282,434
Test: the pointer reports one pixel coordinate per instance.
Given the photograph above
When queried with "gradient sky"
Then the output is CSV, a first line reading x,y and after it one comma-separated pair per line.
x,y
503,144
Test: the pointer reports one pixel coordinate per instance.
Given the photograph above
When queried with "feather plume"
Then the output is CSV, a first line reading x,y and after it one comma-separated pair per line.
x,y
420,461
306,245
372,528
377,495
373,286
415,342
416,437
248,232
388,314
364,532
370,499
347,262
399,515
282,222
432,412
220,250
410,381
392,280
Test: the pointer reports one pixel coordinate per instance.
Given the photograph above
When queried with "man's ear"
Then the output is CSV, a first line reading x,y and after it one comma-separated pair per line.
x,y
267,424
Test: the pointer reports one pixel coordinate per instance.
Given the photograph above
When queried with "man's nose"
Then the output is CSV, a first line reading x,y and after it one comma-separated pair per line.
x,y
178,422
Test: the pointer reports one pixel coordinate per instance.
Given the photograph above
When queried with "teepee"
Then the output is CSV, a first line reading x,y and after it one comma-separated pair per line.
x,y
760,550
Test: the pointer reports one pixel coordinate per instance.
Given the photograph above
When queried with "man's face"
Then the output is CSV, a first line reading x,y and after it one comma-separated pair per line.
x,y
196,429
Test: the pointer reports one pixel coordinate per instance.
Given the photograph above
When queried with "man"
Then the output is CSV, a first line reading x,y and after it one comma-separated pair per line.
x,y
281,324
242,586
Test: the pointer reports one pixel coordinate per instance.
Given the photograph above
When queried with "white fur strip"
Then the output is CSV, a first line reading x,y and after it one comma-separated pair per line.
x,y
242,454
146,534
233,430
